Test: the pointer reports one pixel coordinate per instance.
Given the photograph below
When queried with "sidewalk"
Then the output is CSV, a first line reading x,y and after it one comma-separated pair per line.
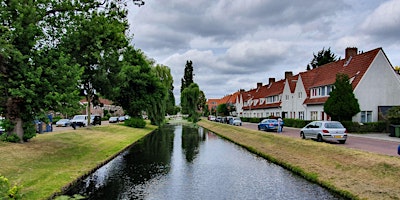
x,y
378,136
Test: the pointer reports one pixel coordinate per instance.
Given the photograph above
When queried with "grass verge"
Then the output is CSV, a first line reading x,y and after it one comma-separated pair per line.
x,y
52,161
351,173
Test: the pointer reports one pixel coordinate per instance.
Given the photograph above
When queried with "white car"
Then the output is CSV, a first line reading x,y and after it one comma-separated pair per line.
x,y
237,121
63,122
325,131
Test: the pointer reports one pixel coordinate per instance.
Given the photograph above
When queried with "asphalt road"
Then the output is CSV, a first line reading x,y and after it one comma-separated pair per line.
x,y
376,143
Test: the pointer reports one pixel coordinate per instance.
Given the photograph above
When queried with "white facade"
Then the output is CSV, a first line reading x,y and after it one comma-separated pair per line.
x,y
380,86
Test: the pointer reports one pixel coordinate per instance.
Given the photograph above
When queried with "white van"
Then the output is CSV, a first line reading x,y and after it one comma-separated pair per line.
x,y
80,120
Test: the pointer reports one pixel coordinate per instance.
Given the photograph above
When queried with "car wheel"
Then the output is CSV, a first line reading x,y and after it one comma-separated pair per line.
x,y
302,135
342,141
319,138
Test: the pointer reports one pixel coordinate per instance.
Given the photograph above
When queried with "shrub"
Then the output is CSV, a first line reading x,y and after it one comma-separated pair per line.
x,y
135,122
394,115
7,191
355,127
9,138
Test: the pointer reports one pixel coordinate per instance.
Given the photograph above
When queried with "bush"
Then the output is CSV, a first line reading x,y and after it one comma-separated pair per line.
x,y
394,115
135,122
9,138
297,123
7,191
374,127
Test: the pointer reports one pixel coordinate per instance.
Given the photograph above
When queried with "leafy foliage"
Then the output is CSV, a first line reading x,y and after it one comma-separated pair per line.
x,y
342,104
187,76
189,101
7,191
394,115
135,122
323,57
222,109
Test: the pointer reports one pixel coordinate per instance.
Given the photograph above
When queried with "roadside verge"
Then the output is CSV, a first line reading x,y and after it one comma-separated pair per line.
x,y
351,173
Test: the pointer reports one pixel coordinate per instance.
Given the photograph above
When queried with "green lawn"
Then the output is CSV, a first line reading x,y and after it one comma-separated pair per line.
x,y
51,161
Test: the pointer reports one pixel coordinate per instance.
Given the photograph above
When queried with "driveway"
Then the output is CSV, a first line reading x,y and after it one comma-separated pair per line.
x,y
379,143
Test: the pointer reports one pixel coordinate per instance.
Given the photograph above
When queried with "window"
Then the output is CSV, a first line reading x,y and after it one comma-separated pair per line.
x,y
287,97
314,115
366,116
301,115
300,95
323,91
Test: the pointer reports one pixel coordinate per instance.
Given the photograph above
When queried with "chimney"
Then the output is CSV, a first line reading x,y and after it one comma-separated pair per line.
x,y
259,85
350,51
288,74
271,80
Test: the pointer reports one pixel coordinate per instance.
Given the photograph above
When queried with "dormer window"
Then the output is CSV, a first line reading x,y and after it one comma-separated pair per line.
x,y
321,91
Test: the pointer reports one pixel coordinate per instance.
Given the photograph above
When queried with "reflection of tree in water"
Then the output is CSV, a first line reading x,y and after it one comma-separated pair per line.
x,y
147,159
191,138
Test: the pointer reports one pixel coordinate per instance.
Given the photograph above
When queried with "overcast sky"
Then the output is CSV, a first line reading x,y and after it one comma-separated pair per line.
x,y
235,44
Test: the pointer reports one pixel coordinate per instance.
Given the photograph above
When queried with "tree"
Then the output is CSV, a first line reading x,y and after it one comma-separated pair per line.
x,y
189,101
323,57
165,76
342,104
187,76
96,44
35,76
202,103
157,110
222,109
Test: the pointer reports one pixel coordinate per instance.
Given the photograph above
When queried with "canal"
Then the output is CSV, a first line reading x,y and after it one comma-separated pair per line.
x,y
183,162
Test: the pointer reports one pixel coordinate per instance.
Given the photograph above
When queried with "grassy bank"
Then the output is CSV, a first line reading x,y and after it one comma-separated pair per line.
x,y
52,161
352,173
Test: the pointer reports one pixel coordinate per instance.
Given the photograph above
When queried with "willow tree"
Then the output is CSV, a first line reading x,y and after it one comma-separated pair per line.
x,y
189,101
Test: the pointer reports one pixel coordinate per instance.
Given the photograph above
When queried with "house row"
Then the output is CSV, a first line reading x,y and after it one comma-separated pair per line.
x,y
375,84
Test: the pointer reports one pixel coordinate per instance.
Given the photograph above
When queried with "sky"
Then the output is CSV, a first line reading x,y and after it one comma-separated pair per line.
x,y
236,44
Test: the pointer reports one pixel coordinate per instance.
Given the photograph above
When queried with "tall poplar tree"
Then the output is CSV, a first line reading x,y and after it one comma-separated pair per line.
x,y
342,104
187,76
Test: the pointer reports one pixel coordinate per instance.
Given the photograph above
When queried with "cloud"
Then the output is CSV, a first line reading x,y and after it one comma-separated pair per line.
x,y
235,44
384,21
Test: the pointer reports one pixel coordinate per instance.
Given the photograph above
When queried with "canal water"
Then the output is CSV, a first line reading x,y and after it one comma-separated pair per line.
x,y
181,162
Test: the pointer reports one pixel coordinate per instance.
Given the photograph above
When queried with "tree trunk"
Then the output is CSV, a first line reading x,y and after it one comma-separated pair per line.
x,y
14,115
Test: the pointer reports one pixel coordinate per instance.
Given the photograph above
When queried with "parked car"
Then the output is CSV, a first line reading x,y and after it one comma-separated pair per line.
x,y
211,118
2,130
79,120
95,119
269,125
63,123
325,131
113,120
121,118
237,121
218,119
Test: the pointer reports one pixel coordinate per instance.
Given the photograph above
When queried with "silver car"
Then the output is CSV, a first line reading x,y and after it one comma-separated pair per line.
x,y
325,131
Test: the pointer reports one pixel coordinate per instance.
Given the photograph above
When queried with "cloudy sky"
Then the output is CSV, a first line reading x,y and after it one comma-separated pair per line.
x,y
236,43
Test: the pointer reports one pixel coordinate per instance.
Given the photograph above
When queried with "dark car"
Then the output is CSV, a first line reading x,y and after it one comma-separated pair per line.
x,y
95,120
269,125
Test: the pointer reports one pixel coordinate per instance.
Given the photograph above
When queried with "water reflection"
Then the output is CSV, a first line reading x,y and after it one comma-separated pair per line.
x,y
182,162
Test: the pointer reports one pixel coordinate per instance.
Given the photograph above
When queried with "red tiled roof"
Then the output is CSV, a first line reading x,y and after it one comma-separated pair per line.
x,y
320,100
